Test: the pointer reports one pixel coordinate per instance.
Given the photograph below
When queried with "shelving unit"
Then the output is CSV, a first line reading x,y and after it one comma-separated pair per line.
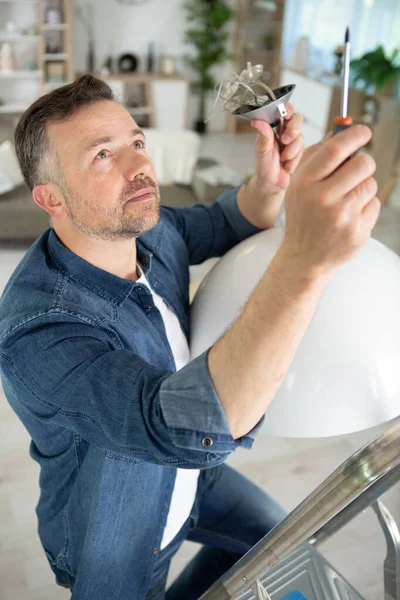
x,y
152,95
258,40
52,68
57,65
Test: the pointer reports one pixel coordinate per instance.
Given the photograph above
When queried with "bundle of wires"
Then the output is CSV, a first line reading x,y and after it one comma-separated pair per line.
x,y
244,92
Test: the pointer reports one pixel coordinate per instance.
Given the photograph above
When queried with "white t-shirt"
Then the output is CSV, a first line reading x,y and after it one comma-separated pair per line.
x,y
185,487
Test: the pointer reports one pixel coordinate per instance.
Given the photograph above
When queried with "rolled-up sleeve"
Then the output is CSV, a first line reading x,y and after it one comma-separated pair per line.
x,y
210,231
71,375
241,226
193,412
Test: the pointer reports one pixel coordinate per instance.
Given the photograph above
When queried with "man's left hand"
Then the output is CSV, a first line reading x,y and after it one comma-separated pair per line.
x,y
273,168
260,199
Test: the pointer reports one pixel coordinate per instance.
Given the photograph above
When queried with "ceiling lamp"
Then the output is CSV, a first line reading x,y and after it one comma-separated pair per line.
x,y
345,376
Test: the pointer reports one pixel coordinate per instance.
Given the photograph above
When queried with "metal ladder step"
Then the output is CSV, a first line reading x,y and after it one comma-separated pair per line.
x,y
308,573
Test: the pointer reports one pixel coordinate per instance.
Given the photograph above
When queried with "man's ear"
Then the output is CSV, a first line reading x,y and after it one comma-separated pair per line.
x,y
49,197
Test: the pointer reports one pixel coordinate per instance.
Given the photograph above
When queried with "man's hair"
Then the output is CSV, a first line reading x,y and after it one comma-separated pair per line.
x,y
39,162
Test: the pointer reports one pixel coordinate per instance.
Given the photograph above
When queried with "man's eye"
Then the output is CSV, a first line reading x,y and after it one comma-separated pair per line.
x,y
140,144
102,154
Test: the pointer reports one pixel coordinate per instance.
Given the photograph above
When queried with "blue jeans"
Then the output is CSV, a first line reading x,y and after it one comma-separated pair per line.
x,y
229,516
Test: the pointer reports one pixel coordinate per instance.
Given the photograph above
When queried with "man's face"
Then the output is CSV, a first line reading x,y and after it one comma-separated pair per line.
x,y
111,191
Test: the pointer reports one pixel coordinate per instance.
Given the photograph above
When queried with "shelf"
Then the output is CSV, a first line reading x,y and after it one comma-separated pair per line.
x,y
55,56
13,108
20,74
58,27
19,38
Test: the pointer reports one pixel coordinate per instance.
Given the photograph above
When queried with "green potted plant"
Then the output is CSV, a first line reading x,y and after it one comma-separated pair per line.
x,y
377,70
207,21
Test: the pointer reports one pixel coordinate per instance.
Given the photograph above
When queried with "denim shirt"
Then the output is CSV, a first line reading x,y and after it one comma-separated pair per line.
x,y
86,365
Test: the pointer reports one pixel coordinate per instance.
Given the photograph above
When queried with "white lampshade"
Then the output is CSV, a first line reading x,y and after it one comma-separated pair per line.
x,y
345,376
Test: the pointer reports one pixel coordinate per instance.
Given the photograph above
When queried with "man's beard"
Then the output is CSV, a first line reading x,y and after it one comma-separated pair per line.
x,y
116,222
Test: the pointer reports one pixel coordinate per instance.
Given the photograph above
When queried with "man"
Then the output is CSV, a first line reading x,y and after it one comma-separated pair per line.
x,y
94,324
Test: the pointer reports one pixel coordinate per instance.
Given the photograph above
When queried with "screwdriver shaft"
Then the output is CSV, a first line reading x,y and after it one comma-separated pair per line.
x,y
346,75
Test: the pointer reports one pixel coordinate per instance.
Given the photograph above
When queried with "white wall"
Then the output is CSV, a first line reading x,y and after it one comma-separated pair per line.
x,y
122,28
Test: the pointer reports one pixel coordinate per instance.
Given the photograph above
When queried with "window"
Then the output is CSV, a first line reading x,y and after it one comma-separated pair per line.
x,y
323,22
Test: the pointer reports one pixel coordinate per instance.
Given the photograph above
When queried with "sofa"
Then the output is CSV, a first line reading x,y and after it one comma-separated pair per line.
x,y
22,219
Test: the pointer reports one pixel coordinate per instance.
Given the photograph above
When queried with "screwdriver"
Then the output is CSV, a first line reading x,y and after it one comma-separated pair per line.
x,y
343,122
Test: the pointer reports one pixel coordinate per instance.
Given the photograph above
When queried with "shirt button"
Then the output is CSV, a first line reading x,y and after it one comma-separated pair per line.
x,y
207,442
154,551
170,355
166,505
140,288
147,308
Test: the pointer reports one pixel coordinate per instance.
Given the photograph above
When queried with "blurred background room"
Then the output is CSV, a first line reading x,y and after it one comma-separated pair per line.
x,y
164,60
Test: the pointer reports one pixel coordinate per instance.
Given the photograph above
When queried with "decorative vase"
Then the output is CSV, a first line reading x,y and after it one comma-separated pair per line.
x,y
200,127
150,58
7,61
167,65
90,58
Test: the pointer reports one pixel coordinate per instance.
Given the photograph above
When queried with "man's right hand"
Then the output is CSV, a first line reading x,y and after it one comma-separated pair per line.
x,y
331,204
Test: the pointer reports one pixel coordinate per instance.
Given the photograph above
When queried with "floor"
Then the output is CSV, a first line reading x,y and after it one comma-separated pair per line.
x,y
289,469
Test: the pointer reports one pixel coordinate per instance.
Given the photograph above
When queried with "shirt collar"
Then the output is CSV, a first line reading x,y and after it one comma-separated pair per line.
x,y
105,284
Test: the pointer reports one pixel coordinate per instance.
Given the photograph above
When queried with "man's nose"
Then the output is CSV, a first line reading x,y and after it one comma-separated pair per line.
x,y
136,164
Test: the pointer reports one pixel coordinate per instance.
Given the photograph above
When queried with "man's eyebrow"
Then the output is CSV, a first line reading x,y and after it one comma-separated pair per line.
x,y
107,139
